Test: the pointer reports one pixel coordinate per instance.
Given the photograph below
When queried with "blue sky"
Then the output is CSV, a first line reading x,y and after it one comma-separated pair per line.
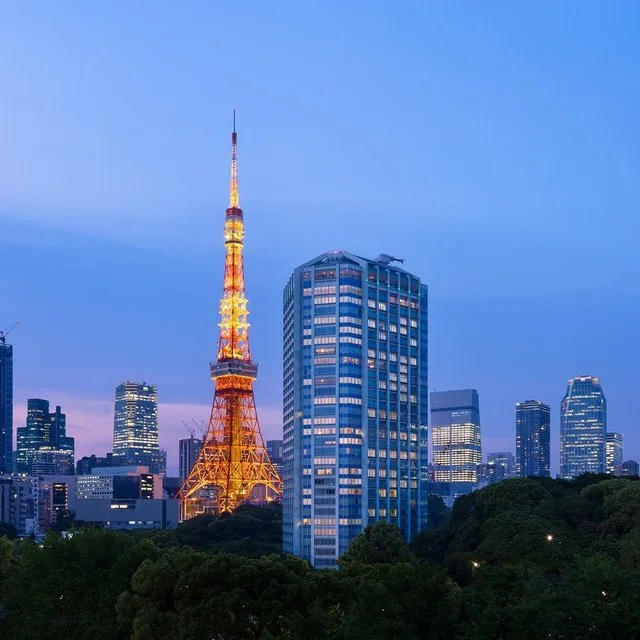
x,y
495,146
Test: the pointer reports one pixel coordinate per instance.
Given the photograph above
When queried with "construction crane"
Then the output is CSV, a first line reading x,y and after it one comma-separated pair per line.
x,y
192,430
6,332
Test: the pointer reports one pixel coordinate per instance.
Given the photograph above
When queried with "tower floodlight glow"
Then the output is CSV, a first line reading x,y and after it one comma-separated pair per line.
x,y
233,459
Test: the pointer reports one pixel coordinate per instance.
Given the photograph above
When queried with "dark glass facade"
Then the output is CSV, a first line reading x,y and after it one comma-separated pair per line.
x,y
188,451
6,408
43,444
533,441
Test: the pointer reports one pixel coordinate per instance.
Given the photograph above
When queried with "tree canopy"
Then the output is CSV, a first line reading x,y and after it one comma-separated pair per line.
x,y
522,559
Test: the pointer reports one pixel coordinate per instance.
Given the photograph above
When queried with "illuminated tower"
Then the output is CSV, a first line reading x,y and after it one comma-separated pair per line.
x,y
233,459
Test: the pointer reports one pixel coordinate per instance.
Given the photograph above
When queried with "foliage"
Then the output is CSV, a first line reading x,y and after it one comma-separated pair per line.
x,y
379,543
523,559
68,588
250,530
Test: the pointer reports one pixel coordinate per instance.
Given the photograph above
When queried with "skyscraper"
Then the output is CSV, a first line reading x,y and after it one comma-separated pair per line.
x,y
44,441
629,468
135,426
6,406
583,428
533,443
274,449
457,445
614,452
355,402
504,459
189,448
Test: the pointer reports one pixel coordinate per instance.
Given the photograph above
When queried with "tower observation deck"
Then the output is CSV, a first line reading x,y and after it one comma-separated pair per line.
x,y
233,459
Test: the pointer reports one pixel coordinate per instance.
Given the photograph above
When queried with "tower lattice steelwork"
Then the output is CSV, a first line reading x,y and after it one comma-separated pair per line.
x,y
233,458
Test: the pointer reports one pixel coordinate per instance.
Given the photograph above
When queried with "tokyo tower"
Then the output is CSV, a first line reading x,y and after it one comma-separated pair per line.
x,y
233,459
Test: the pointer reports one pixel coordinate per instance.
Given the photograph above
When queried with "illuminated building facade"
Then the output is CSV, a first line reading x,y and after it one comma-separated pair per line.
x,y
135,427
43,444
233,460
614,453
533,442
456,442
355,403
6,407
583,428
120,483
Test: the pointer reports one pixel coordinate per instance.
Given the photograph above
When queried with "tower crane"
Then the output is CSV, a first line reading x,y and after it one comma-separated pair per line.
x,y
6,332
191,430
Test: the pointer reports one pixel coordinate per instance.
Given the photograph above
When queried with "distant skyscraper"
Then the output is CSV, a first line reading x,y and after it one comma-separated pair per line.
x,y
457,447
583,428
504,459
533,443
274,449
6,406
135,426
189,448
614,452
355,403
629,468
87,463
44,441
489,473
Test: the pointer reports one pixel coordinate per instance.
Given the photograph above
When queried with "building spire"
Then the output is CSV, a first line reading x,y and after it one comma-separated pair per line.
x,y
234,200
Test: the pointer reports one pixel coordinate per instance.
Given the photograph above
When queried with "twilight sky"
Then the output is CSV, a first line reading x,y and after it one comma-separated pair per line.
x,y
495,146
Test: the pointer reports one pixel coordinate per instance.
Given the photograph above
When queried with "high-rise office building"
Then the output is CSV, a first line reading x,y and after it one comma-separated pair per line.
x,y
355,403
188,450
533,442
43,444
583,428
135,426
614,452
629,468
456,440
6,406
87,463
504,459
274,449
489,473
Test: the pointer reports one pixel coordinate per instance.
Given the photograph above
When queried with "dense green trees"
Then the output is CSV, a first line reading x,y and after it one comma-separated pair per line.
x,y
544,558
521,559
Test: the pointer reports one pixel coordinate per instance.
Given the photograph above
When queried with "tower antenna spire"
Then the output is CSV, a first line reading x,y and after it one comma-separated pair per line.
x,y
233,458
234,198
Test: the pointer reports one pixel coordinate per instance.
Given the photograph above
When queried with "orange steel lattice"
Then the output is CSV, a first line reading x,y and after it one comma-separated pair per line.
x,y
233,459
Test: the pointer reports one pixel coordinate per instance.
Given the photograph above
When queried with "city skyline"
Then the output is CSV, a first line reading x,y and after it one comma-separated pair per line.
x,y
492,176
